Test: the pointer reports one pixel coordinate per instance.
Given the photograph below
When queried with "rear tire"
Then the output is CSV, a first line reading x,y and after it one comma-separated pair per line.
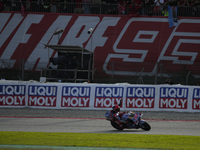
x,y
145,126
115,125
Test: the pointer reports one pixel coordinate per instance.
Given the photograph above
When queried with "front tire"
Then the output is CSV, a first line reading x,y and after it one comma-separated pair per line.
x,y
145,126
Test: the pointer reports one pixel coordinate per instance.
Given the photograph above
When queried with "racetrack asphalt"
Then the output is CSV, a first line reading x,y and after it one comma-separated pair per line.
x,y
74,113
163,122
92,125
66,117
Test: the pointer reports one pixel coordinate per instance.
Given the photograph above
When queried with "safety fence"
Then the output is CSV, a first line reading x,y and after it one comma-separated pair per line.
x,y
102,8
99,96
114,72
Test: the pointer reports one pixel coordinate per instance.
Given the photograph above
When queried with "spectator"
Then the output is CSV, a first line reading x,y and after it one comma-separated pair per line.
x,y
147,5
198,84
173,2
168,81
142,7
149,2
103,6
138,6
1,5
78,7
28,5
40,5
158,6
198,8
74,63
128,3
122,8
188,7
53,6
96,6
108,6
7,4
166,2
165,12
46,6
59,5
112,11
13,5
70,6
194,7
86,6
112,7
181,8
120,2
132,8
64,7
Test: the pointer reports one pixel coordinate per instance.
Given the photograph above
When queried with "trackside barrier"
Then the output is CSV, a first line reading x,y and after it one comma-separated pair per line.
x,y
178,98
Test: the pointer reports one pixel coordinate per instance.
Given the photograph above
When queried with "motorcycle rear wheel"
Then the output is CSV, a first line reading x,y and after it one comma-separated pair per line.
x,y
145,126
115,125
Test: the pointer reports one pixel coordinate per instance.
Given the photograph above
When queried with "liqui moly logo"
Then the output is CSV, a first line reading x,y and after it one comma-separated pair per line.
x,y
106,97
42,96
75,96
12,95
140,97
196,99
175,98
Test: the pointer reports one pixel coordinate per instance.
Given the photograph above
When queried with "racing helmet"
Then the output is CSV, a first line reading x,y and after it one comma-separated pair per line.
x,y
116,108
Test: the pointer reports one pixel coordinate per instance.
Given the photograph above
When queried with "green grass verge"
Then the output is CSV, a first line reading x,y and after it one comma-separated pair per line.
x,y
174,142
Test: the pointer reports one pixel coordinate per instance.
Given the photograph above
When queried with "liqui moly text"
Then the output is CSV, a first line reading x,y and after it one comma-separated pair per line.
x,y
196,99
172,97
75,96
12,95
45,96
140,97
106,97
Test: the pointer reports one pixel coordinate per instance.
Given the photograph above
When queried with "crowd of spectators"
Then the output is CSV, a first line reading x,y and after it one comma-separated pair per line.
x,y
117,7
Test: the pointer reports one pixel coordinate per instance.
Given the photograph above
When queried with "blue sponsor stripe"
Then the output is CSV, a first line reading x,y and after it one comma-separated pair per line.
x,y
42,90
12,90
109,92
172,92
76,91
196,93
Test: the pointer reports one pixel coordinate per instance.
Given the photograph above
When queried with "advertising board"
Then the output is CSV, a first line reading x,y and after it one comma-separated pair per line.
x,y
130,41
100,96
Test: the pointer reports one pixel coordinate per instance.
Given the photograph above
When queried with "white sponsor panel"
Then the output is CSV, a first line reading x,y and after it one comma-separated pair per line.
x,y
12,95
75,96
100,96
140,97
173,98
42,95
108,96
196,99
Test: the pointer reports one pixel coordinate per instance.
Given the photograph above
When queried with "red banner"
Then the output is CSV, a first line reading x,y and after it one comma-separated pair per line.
x,y
130,41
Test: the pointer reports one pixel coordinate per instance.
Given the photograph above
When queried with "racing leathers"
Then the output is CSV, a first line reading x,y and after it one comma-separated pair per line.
x,y
115,115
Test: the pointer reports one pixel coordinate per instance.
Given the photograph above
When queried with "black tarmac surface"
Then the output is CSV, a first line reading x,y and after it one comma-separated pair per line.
x,y
72,113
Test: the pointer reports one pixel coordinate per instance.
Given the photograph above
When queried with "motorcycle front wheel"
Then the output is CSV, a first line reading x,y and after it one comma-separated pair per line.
x,y
115,125
145,126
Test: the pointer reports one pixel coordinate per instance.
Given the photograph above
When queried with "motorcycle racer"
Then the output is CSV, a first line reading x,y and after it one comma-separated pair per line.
x,y
126,120
114,113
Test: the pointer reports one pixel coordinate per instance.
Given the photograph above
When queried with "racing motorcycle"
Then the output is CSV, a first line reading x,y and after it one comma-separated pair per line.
x,y
132,121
